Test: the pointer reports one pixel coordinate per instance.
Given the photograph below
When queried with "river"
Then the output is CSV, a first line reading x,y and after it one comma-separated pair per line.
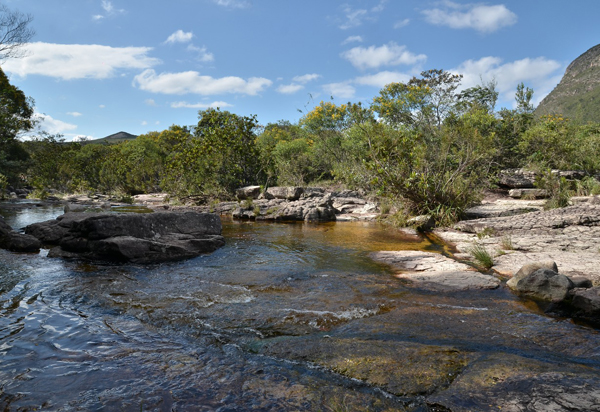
x,y
291,317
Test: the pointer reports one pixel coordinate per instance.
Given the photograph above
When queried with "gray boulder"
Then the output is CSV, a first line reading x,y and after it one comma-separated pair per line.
x,y
248,192
587,302
517,178
284,192
15,241
528,269
546,285
132,237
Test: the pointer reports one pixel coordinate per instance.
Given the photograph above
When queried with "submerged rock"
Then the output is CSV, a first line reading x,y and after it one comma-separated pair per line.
x,y
131,237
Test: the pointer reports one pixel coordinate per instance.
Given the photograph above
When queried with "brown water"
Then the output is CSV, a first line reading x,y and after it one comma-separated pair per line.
x,y
284,317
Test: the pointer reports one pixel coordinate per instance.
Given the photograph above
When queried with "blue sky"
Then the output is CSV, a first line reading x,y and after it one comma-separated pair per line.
x,y
96,67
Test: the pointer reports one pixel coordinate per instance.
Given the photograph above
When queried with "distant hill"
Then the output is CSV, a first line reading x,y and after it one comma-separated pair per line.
x,y
577,96
112,139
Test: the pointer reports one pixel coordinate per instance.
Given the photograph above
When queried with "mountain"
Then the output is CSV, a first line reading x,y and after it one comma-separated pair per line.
x,y
113,138
577,96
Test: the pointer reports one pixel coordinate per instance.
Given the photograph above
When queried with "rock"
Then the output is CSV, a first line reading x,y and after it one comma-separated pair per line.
x,y
581,282
505,207
17,242
528,269
283,192
528,193
51,232
546,285
434,271
587,302
310,192
422,222
132,237
516,178
248,192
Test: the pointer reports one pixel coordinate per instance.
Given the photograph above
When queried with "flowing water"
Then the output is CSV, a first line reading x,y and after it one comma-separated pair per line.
x,y
284,317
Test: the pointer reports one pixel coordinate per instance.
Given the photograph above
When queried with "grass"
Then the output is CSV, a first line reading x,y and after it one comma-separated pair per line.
x,y
506,243
482,256
486,232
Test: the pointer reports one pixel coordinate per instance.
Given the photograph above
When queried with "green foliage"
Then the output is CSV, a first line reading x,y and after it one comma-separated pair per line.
x,y
3,185
558,189
482,256
548,143
220,156
16,111
588,186
437,175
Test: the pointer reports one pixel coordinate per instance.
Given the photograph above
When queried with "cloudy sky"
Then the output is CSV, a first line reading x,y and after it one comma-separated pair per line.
x,y
96,67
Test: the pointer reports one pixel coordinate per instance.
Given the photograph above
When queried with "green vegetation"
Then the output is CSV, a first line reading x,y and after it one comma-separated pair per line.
x,y
423,147
482,256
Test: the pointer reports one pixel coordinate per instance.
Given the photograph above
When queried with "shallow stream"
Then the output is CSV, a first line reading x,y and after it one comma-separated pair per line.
x,y
284,317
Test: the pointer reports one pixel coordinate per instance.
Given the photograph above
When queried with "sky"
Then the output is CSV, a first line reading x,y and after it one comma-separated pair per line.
x,y
97,67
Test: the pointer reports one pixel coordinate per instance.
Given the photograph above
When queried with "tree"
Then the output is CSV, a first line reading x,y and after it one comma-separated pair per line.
x,y
422,103
16,110
219,156
14,32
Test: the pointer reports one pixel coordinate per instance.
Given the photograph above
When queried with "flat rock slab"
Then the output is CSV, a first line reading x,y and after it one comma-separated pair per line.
x,y
434,271
503,207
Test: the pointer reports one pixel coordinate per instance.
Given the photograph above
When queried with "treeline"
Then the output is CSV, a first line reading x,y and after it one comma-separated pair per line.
x,y
424,145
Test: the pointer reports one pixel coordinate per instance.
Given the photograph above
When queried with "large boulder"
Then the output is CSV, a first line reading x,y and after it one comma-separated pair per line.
x,y
586,302
284,192
546,285
247,192
15,241
528,269
516,178
132,237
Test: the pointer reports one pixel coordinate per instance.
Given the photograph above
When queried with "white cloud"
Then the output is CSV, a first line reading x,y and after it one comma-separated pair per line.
x,y
233,4
180,37
193,82
379,7
51,125
353,17
343,90
150,102
79,61
289,88
203,55
101,106
387,55
401,23
144,123
74,114
483,18
109,10
539,73
356,17
382,78
353,39
306,78
186,105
